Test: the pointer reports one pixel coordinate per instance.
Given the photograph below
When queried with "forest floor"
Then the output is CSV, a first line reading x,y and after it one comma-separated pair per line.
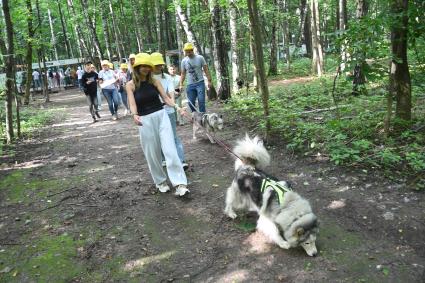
x,y
77,204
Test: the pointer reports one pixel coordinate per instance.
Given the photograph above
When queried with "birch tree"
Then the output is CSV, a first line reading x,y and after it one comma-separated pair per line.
x,y
317,62
234,49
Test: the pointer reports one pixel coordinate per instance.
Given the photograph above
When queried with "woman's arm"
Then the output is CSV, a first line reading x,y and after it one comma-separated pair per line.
x,y
132,102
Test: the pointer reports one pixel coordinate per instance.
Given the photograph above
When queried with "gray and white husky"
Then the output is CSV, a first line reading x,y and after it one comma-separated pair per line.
x,y
284,216
210,122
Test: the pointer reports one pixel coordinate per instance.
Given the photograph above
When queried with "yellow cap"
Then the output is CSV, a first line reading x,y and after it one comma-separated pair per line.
x,y
124,66
157,59
143,59
111,66
132,55
188,46
104,62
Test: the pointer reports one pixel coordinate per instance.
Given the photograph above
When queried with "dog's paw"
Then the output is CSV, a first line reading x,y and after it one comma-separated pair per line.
x,y
284,245
231,214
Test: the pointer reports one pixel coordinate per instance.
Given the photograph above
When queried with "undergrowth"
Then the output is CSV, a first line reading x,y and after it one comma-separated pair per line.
x,y
348,131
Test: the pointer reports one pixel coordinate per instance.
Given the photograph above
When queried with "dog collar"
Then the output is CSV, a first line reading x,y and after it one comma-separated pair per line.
x,y
278,188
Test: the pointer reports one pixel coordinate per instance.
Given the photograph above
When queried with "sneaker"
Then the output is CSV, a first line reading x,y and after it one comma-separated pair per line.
x,y
181,190
163,187
125,112
185,166
164,164
114,117
97,114
94,120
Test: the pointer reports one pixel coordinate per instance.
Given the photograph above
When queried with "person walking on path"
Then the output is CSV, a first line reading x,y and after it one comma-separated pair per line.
x,y
193,67
89,83
122,77
155,130
178,95
107,81
131,60
168,86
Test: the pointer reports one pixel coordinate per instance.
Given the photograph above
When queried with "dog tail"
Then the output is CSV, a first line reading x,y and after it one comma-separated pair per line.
x,y
252,152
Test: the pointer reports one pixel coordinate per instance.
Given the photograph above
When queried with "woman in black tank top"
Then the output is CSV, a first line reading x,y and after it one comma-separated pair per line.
x,y
154,125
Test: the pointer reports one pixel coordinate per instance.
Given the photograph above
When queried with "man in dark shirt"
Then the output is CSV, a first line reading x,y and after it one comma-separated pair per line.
x,y
89,82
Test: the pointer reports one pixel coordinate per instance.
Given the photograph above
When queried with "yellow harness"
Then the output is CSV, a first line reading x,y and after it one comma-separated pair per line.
x,y
278,188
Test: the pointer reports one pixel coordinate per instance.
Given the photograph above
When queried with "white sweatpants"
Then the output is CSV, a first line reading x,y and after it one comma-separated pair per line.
x,y
156,134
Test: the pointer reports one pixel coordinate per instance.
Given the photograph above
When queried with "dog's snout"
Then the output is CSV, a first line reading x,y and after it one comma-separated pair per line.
x,y
314,254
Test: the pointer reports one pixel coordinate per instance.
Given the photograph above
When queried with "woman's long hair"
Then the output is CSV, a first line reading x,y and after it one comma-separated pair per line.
x,y
137,78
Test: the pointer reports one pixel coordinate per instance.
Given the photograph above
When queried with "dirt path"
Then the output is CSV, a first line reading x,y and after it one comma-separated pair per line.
x,y
79,205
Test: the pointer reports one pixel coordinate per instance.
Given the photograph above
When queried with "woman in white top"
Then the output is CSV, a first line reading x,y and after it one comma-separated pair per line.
x,y
168,86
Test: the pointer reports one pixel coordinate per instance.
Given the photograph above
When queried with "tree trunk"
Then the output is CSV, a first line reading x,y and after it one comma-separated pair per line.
x,y
273,46
83,45
10,70
137,28
307,35
302,23
220,51
159,32
342,26
286,36
92,28
236,62
114,28
105,31
358,72
400,84
40,52
179,34
28,57
317,62
186,26
65,35
53,35
255,26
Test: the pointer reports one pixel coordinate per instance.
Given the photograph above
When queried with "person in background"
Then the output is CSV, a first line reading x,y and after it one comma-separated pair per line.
x,y
178,96
89,82
155,130
168,86
36,80
107,80
122,77
131,60
80,73
193,67
99,90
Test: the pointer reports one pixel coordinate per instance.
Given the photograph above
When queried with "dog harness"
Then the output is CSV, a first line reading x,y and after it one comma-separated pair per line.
x,y
278,188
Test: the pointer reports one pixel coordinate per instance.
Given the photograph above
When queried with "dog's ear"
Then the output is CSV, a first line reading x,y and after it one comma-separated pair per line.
x,y
299,232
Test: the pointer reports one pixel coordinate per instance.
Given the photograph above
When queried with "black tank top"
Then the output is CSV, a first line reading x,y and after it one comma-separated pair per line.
x,y
147,99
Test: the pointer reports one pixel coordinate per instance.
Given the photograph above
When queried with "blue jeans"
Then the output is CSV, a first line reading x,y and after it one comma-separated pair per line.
x,y
196,90
124,99
177,141
111,96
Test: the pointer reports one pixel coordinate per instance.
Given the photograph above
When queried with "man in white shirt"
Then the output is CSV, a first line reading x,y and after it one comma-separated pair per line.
x,y
178,95
107,81
80,73
36,79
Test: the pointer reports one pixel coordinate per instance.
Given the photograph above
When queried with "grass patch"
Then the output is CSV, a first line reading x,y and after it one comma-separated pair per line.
x,y
19,187
47,259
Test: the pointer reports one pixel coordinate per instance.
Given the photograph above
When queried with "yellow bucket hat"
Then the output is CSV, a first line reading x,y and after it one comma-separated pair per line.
x,y
143,59
157,59
188,46
104,62
132,55
124,66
